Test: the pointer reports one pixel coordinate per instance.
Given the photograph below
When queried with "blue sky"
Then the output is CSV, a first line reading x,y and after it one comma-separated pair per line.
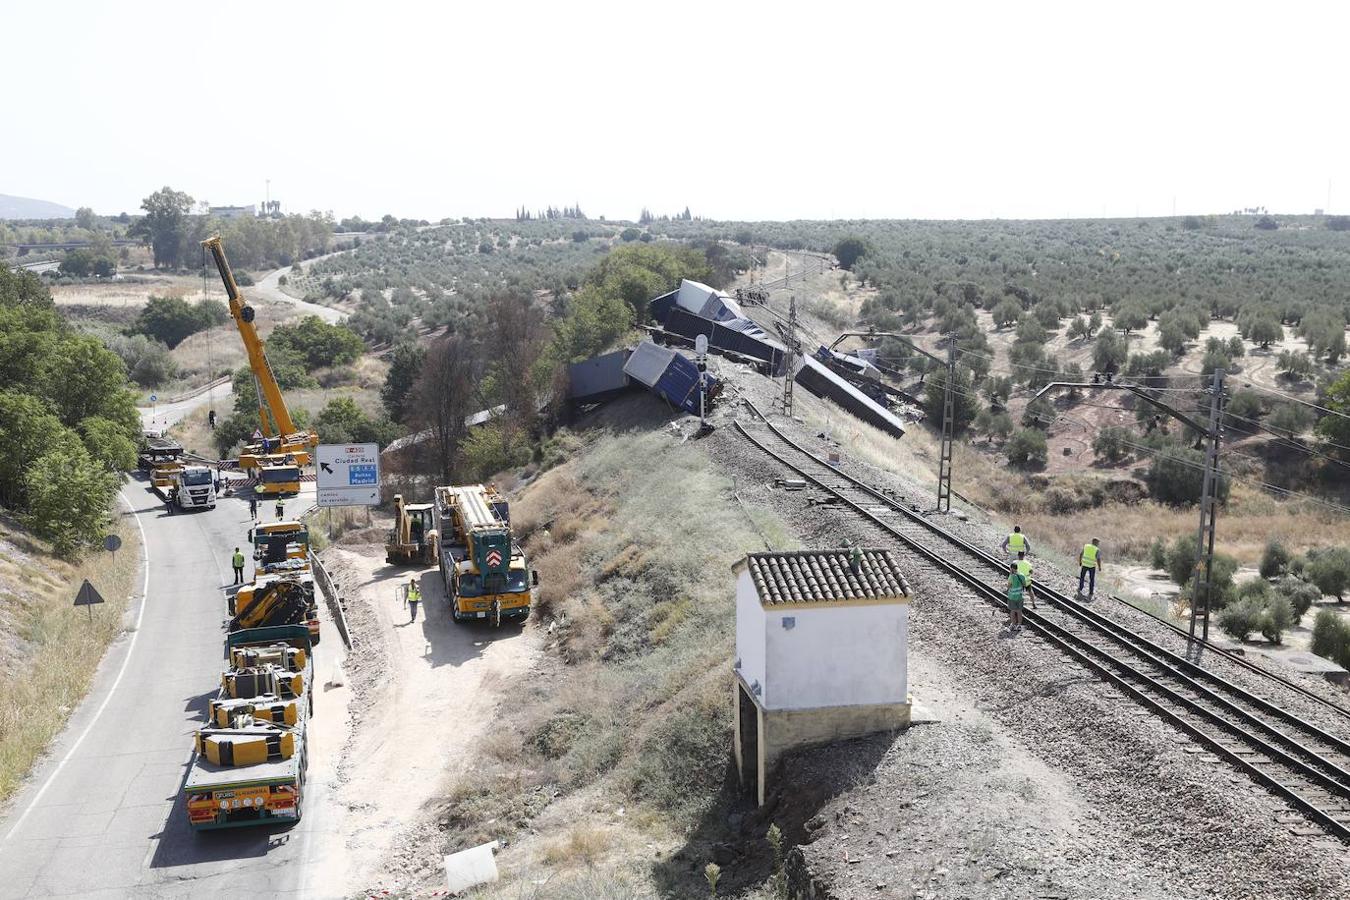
x,y
738,110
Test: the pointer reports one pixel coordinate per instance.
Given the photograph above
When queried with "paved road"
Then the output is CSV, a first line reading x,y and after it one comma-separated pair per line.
x,y
101,817
159,417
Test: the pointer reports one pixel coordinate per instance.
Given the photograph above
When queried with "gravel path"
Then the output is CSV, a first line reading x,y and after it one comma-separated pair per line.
x,y
1039,780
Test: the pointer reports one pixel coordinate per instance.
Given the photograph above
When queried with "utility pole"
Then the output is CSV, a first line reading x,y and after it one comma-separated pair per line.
x,y
1204,567
791,360
944,488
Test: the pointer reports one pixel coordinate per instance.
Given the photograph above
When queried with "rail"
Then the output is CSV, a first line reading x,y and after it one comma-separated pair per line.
x,y
330,596
1295,759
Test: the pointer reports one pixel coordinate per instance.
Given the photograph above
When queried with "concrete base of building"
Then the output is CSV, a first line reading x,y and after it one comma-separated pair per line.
x,y
763,736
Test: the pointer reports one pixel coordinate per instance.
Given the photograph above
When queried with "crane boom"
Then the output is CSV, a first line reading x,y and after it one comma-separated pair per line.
x,y
270,401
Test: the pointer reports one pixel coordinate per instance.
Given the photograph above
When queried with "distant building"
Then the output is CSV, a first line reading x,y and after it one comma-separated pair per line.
x,y
235,212
821,653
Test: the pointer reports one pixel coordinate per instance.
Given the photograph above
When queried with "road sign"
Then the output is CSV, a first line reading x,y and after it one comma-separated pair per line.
x,y
154,398
348,474
112,543
88,597
494,558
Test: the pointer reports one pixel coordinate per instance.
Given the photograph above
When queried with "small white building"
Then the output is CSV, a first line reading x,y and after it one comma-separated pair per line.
x,y
821,652
235,212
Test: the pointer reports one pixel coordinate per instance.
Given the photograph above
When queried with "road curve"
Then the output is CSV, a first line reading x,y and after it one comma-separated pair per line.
x,y
161,416
101,816
269,286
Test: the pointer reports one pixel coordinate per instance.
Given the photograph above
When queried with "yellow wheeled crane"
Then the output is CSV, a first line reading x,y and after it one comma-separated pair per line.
x,y
280,436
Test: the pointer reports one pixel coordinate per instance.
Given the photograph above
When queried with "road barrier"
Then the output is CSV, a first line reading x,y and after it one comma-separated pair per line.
x,y
330,596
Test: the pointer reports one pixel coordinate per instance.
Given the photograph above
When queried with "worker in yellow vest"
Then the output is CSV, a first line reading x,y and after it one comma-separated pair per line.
x,y
414,597
238,562
1089,562
1024,569
1016,543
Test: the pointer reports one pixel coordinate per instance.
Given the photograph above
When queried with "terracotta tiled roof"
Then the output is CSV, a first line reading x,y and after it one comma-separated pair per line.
x,y
825,576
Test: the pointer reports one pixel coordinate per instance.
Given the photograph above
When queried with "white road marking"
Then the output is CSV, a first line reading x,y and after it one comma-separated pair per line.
x,y
145,598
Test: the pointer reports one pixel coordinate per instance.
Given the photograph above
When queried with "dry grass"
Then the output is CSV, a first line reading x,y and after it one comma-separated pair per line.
x,y
583,845
48,648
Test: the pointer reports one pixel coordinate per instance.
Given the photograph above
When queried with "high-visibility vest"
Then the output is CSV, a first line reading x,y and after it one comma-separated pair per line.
x,y
1024,569
1090,556
1017,542
414,595
239,560
1016,584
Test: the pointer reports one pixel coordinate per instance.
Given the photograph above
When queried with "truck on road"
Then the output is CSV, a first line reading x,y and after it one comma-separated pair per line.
x,y
196,487
249,761
484,569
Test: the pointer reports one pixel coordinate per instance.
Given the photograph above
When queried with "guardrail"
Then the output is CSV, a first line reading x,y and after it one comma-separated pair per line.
x,y
330,596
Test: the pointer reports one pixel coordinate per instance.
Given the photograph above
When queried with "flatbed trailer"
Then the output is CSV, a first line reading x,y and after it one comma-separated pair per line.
x,y
264,792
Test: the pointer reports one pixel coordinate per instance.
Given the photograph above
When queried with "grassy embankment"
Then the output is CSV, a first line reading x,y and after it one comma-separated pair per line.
x,y
633,538
48,648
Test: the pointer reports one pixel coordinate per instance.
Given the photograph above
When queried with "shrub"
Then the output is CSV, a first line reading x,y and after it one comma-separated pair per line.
x,y
849,250
1331,638
1176,475
1300,594
1158,554
1275,619
1330,571
1274,559
69,494
1111,444
1239,620
172,319
1027,448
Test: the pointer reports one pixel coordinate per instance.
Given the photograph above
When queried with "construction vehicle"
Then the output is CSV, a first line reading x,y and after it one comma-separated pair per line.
x,y
196,487
484,570
279,435
280,547
249,760
278,476
413,539
276,599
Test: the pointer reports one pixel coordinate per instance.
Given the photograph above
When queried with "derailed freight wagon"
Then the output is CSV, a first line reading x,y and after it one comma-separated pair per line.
x,y
670,376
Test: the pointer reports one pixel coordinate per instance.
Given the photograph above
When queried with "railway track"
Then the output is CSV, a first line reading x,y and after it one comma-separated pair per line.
x,y
1298,760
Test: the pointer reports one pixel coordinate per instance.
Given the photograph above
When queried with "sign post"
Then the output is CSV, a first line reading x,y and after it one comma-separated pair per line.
x,y
347,474
87,597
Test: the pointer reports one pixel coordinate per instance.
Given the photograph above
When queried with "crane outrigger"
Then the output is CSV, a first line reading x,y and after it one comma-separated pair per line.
x,y
280,438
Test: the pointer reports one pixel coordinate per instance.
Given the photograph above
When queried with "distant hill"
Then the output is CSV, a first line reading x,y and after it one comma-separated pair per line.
x,y
27,208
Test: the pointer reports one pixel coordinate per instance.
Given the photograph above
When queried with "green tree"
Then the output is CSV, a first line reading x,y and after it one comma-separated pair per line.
x,y
1109,353
1274,559
1295,418
1331,638
1130,317
69,497
1295,364
29,430
965,405
1172,338
165,225
1111,444
405,364
315,343
849,250
108,443
1007,312
1330,571
84,378
1265,331
171,320
1027,448
1176,475
1336,427
85,218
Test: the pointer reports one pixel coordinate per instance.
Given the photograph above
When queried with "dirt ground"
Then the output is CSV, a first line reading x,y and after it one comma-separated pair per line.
x,y
424,693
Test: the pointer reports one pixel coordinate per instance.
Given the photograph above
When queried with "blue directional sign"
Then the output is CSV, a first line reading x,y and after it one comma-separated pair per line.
x,y
347,474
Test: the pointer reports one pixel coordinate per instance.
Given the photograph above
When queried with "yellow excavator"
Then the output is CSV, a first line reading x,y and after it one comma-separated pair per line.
x,y
414,539
280,437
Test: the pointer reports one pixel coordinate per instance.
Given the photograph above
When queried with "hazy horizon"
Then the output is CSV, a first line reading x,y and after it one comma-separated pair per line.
x,y
751,112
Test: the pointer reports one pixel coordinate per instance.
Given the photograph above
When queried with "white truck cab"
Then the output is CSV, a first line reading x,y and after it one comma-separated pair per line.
x,y
196,488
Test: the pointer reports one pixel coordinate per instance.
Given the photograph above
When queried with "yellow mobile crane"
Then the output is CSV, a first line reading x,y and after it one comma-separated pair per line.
x,y
280,436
